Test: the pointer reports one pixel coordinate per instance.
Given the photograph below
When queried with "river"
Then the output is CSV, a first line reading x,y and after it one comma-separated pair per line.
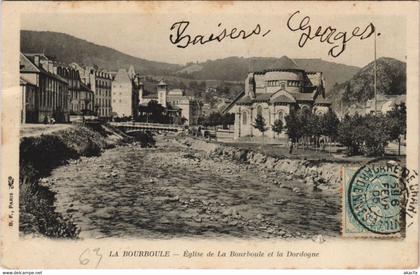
x,y
175,191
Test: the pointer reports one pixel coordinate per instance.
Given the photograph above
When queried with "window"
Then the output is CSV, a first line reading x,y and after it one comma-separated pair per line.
x,y
259,110
244,118
283,86
281,116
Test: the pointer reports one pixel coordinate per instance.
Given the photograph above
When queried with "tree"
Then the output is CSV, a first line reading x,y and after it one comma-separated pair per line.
x,y
216,119
367,134
329,125
397,123
228,119
260,124
375,135
293,128
349,133
277,126
307,122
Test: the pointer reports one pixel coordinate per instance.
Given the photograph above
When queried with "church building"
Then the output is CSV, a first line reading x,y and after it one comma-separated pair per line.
x,y
273,93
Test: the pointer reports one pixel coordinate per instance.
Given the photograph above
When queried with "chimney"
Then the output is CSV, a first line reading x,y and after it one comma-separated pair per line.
x,y
36,60
50,67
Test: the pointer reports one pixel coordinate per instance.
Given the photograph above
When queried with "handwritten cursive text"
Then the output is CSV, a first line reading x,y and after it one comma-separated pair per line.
x,y
182,40
330,35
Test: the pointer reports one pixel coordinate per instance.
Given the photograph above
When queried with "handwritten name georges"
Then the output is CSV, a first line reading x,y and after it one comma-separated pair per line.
x,y
182,38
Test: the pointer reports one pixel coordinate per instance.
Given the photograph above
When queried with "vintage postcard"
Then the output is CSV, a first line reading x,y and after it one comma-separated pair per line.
x,y
209,135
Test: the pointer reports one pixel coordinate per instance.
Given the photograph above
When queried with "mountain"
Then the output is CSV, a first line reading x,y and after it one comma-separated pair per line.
x,y
67,49
236,68
391,80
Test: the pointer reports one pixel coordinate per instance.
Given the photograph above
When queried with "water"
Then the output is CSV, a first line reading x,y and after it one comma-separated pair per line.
x,y
172,191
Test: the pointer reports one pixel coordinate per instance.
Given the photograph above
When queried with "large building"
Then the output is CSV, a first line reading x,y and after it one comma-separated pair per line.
x,y
122,94
187,108
81,97
46,91
103,93
273,93
100,82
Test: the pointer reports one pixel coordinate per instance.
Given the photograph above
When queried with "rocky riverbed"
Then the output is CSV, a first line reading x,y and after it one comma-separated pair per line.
x,y
188,188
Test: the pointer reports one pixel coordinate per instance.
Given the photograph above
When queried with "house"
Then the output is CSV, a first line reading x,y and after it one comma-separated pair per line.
x,y
49,91
384,103
273,93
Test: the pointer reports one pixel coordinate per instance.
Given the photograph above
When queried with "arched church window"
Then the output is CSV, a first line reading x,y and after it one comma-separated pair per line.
x,y
280,116
259,110
244,118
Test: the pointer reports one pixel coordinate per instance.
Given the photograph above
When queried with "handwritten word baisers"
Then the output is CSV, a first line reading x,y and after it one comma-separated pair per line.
x,y
330,35
182,39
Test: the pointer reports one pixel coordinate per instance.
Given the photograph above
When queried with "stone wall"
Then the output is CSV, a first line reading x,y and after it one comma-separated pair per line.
x,y
320,175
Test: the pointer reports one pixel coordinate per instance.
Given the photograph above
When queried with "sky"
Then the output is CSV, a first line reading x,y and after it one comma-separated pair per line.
x,y
147,35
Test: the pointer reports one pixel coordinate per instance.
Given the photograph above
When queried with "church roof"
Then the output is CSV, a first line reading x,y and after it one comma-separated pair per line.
x,y
282,99
262,97
234,101
303,96
244,100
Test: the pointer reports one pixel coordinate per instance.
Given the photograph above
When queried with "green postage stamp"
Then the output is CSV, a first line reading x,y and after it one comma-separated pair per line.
x,y
375,198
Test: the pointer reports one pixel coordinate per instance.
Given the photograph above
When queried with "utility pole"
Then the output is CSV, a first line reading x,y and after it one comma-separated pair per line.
x,y
374,72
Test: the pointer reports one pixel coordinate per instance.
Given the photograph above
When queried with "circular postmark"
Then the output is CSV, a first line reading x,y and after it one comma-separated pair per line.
x,y
377,195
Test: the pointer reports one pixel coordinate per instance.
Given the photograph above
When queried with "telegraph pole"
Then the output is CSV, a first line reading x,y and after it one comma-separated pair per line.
x,y
374,72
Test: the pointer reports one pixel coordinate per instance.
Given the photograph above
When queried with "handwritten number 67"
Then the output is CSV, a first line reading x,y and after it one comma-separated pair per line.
x,y
85,257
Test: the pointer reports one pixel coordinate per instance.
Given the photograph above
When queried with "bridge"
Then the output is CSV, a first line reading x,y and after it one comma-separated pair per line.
x,y
131,126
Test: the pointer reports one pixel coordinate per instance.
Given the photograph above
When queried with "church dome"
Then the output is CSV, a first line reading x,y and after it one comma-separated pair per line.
x,y
283,63
283,75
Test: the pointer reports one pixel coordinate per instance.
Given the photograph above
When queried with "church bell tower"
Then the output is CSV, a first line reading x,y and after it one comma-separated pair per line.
x,y
162,90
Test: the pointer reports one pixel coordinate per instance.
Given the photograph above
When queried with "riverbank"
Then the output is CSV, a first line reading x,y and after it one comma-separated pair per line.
x,y
321,174
39,155
185,187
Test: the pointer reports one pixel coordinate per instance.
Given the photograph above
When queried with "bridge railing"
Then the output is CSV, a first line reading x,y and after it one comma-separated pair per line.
x,y
145,124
